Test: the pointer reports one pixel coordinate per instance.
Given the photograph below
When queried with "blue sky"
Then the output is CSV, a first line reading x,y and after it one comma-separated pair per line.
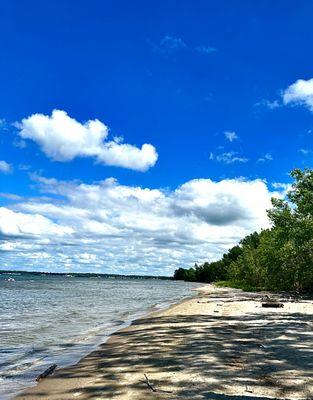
x,y
211,87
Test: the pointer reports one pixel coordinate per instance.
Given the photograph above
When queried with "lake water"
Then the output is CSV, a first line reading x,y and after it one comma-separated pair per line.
x,y
58,319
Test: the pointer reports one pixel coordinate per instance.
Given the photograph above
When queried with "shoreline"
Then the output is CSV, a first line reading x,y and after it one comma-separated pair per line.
x,y
195,348
151,310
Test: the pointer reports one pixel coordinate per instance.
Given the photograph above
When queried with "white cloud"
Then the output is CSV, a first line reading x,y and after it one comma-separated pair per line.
x,y
305,152
170,44
230,135
24,167
5,167
271,104
266,157
125,229
21,144
10,196
62,138
4,126
282,187
299,93
21,224
228,157
206,49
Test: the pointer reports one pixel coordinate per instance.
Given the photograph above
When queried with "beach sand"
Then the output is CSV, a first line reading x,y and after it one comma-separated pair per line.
x,y
220,345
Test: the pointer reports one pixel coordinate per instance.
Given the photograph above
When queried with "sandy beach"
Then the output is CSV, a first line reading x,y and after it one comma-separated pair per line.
x,y
219,345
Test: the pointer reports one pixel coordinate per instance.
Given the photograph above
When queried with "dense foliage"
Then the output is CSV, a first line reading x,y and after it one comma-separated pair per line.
x,y
280,258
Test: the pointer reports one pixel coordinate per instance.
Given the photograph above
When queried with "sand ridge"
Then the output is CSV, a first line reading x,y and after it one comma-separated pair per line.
x,y
219,345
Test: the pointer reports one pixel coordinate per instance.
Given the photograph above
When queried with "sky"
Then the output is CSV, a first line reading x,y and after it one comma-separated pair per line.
x,y
139,137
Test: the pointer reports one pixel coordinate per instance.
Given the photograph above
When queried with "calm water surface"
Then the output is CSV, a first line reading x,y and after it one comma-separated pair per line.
x,y
58,319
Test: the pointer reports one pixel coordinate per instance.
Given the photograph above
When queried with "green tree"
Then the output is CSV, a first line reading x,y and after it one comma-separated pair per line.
x,y
280,258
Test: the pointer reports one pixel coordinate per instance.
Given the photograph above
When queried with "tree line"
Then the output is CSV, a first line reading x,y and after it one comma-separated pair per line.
x,y
279,258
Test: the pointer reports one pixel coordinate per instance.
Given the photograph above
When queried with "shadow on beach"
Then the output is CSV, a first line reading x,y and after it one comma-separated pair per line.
x,y
195,356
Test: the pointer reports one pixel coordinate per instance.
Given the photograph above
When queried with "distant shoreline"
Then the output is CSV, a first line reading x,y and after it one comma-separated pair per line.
x,y
85,274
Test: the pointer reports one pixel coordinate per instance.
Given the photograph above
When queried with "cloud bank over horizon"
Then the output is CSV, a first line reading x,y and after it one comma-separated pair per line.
x,y
114,228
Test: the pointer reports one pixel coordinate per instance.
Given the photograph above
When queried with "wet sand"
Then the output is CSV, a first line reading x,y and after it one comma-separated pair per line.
x,y
220,345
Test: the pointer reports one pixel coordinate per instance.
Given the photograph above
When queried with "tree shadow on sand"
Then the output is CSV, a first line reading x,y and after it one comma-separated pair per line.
x,y
200,357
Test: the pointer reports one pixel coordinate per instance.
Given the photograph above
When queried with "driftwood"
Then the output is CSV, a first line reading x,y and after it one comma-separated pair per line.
x,y
154,389
149,384
272,304
248,390
47,372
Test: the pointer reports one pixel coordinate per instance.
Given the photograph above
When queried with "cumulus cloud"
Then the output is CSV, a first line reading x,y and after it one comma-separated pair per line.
x,y
128,229
230,135
299,93
5,167
62,138
20,224
220,203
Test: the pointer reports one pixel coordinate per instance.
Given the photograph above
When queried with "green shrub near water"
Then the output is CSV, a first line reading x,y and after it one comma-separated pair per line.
x,y
280,258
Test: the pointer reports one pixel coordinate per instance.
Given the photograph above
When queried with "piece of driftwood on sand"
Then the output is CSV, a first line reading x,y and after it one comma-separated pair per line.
x,y
272,304
47,372
154,389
